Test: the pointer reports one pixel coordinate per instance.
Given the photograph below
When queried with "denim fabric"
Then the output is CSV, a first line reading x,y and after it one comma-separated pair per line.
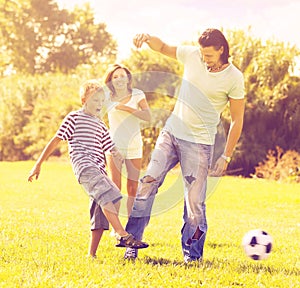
x,y
195,160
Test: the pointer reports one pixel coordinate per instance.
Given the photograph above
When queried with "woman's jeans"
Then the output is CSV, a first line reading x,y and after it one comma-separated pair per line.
x,y
195,160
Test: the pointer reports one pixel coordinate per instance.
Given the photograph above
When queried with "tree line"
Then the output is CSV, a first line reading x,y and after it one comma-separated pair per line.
x,y
39,37
47,52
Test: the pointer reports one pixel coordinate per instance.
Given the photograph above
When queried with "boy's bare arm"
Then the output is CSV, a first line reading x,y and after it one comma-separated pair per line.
x,y
48,150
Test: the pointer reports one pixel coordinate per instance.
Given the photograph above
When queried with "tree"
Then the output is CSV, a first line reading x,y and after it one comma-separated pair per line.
x,y
31,109
41,38
271,97
83,43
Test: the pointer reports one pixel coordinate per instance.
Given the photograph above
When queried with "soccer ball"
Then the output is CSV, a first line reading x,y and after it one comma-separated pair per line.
x,y
257,244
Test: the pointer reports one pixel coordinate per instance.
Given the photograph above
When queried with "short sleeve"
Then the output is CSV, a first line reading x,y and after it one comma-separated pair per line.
x,y
139,95
183,52
67,128
108,144
238,88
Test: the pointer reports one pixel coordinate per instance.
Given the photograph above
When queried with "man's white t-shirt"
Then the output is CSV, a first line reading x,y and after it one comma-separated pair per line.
x,y
202,97
124,127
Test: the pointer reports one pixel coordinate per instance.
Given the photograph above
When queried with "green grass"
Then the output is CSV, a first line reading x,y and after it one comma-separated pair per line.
x,y
44,236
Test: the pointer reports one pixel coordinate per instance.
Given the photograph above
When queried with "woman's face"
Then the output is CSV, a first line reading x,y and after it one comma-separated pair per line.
x,y
119,79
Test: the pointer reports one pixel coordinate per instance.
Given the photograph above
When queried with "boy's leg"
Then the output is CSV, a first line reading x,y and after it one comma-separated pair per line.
x,y
99,223
110,210
95,239
106,194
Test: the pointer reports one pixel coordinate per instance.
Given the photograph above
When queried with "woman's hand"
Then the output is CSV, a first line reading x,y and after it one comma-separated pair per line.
x,y
117,156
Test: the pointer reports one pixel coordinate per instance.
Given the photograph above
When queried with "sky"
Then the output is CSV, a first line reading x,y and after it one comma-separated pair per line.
x,y
176,21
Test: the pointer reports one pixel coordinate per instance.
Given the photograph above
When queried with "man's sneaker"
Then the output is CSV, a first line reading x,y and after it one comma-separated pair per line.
x,y
130,242
190,259
131,253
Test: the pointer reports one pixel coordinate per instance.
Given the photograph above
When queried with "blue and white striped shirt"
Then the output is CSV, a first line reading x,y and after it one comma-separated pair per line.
x,y
88,139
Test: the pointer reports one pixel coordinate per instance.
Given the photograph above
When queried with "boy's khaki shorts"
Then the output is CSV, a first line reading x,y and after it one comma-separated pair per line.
x,y
101,190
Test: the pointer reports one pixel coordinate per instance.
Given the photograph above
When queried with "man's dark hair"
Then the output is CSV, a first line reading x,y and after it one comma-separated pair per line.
x,y
215,38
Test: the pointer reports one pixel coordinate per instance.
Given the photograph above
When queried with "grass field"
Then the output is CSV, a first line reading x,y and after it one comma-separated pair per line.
x,y
44,236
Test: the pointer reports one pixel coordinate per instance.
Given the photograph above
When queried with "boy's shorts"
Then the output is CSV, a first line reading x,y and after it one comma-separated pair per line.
x,y
97,218
101,190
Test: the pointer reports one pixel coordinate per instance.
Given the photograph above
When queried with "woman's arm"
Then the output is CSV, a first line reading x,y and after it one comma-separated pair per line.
x,y
143,113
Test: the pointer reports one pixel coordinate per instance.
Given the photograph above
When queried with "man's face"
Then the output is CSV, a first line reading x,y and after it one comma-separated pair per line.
x,y
211,56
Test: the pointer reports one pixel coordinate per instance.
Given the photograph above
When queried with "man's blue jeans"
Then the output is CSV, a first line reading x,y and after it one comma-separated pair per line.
x,y
195,160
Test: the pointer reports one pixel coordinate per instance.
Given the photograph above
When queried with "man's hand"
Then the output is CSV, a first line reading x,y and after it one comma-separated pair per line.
x,y
139,39
219,168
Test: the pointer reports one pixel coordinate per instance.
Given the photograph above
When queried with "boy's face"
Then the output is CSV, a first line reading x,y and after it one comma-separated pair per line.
x,y
94,104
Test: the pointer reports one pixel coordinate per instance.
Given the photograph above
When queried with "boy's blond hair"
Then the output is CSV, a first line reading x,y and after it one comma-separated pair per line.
x,y
88,88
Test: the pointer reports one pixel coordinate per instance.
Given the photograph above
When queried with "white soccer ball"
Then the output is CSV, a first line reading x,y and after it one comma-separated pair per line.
x,y
257,244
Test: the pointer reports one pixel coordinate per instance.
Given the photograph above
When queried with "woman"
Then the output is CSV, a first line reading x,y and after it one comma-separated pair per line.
x,y
126,107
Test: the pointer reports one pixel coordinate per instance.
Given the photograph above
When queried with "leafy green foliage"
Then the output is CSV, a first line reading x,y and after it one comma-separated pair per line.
x,y
155,73
40,37
31,110
272,99
280,166
270,123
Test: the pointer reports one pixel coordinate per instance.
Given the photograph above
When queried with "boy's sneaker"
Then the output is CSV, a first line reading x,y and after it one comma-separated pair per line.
x,y
131,253
130,242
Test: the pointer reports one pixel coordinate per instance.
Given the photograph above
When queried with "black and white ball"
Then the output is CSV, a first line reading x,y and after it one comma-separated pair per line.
x,y
257,244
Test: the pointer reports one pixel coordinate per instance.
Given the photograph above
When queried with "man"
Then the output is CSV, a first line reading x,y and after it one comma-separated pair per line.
x,y
210,82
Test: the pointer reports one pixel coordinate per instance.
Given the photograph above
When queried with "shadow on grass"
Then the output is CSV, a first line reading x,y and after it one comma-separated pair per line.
x,y
218,245
156,261
160,261
260,267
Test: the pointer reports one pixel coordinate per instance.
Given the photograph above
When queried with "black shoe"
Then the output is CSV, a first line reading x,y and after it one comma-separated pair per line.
x,y
130,242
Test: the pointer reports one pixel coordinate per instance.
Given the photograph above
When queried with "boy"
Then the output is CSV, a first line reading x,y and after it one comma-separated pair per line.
x,y
88,139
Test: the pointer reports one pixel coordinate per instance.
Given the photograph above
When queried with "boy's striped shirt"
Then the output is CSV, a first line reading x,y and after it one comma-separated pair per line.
x,y
88,139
